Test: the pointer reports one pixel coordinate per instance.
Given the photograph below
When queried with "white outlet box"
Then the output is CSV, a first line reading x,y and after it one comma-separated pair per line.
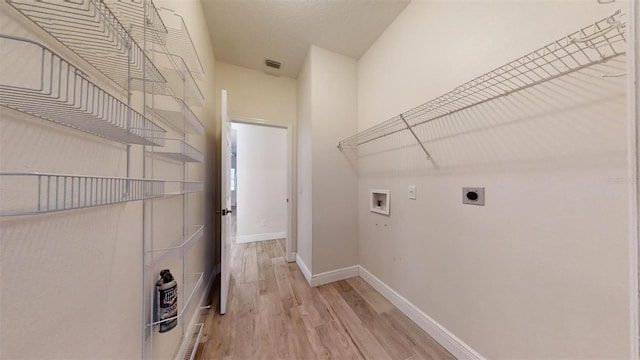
x,y
412,192
380,201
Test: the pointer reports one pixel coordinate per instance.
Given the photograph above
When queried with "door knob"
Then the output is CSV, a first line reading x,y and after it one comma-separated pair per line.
x,y
224,212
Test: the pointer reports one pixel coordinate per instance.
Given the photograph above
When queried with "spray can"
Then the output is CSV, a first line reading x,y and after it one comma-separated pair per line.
x,y
166,300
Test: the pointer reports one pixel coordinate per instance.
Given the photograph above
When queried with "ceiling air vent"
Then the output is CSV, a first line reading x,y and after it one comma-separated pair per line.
x,y
272,64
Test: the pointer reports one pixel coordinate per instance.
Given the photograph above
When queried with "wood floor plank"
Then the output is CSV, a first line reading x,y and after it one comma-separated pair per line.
x,y
391,341
365,342
287,296
334,338
421,342
250,264
377,301
299,345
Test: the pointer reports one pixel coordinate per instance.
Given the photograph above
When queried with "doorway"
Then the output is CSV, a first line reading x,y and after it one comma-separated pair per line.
x,y
258,182
262,154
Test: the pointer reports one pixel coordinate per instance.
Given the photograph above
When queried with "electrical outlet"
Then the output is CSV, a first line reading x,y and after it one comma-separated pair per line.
x,y
473,195
412,192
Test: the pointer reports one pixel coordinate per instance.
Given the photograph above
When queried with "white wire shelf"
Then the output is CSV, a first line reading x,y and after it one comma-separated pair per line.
x,y
92,31
193,233
36,81
179,42
141,19
179,78
195,282
594,44
38,193
32,193
192,348
176,113
179,150
167,51
192,187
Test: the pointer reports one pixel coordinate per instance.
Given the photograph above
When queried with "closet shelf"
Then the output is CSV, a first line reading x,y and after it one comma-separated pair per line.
x,y
193,233
191,187
38,193
179,150
141,19
92,31
194,342
179,79
179,42
597,43
32,193
196,279
40,83
176,113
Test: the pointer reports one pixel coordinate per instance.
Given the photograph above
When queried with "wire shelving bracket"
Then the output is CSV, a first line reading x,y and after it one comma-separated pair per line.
x,y
38,82
596,43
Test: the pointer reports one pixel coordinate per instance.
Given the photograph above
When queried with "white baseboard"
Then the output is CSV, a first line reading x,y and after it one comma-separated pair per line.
x,y
303,267
260,237
443,336
335,275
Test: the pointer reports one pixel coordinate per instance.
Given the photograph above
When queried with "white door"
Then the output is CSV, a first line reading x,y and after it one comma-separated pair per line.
x,y
225,206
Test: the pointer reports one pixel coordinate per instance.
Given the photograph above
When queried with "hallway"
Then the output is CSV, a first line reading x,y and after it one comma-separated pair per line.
x,y
274,314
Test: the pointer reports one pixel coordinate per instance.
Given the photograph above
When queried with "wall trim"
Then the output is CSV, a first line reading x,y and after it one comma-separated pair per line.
x,y
260,237
335,275
444,337
303,267
633,100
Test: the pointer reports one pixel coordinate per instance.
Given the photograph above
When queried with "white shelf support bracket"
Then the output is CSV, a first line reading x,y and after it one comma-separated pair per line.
x,y
418,140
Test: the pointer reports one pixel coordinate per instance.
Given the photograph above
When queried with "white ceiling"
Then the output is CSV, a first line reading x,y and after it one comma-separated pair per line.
x,y
246,32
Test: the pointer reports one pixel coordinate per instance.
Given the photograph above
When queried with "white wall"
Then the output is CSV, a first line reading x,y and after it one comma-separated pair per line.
x,y
71,283
327,93
262,182
541,271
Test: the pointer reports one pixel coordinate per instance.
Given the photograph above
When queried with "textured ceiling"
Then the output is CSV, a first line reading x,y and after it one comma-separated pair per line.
x,y
245,33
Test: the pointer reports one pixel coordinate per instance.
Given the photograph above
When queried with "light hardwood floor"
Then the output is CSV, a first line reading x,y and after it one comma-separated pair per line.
x,y
274,314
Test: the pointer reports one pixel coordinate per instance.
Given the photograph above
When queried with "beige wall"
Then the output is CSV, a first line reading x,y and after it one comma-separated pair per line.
x,y
258,95
541,271
327,93
334,195
72,283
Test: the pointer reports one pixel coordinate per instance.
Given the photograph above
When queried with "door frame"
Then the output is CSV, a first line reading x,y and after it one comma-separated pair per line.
x,y
290,255
633,97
